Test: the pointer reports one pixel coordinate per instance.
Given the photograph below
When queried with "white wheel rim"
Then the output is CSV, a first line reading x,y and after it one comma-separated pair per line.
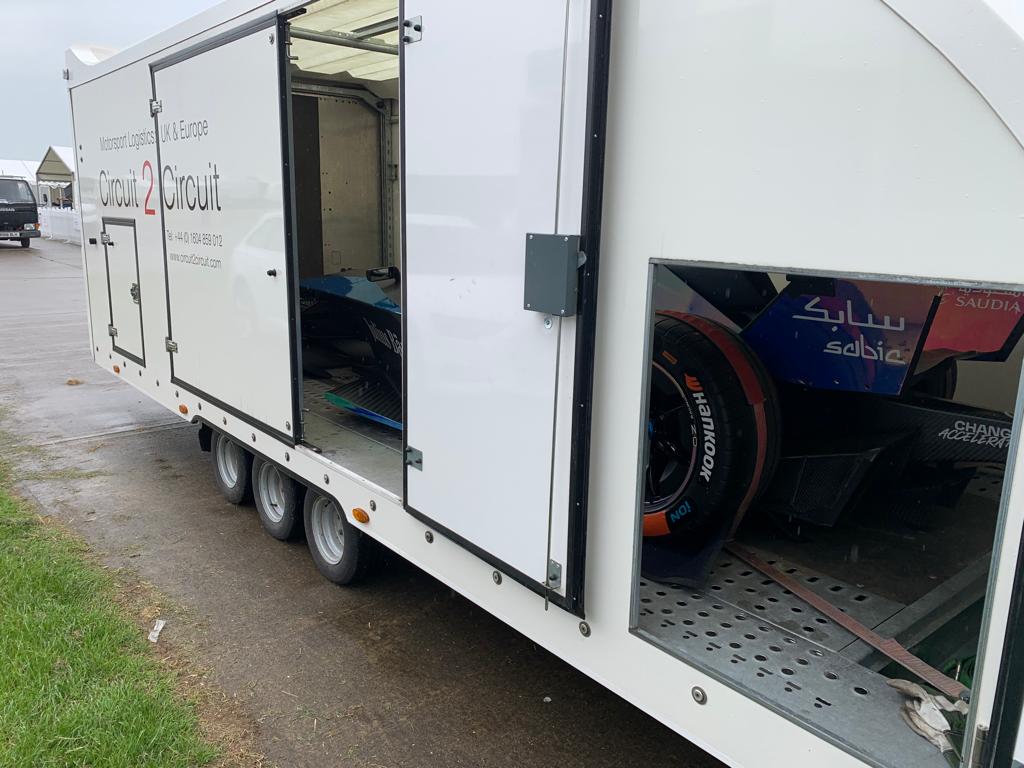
x,y
271,489
328,532
230,464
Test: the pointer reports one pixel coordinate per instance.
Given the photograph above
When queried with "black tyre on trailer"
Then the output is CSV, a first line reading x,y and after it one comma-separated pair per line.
x,y
232,469
342,553
278,500
713,428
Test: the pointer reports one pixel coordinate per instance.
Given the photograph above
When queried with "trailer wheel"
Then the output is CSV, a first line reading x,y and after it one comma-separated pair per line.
x,y
712,430
232,466
341,552
278,500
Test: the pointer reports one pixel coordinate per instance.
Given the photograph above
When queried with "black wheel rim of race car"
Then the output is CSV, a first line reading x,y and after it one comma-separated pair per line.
x,y
671,442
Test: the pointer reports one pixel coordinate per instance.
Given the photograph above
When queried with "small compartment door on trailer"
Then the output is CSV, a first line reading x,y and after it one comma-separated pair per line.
x,y
124,295
219,112
494,210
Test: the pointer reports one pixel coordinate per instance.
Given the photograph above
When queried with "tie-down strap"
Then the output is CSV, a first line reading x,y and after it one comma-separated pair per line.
x,y
885,645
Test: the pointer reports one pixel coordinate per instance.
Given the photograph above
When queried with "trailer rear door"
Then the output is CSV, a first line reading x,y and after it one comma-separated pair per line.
x,y
218,114
492,386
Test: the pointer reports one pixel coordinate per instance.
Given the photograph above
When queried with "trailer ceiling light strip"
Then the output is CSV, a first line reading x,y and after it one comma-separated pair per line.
x,y
888,646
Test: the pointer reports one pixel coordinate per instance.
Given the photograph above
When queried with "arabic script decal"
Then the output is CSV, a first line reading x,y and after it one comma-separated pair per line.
x,y
856,336
824,316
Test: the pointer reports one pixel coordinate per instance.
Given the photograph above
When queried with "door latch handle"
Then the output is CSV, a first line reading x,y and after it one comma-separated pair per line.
x,y
271,273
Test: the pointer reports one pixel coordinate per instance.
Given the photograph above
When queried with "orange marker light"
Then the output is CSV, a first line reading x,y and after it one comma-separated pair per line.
x,y
117,369
183,409
360,515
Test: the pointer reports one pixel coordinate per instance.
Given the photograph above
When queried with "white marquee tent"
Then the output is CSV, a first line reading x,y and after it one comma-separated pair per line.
x,y
55,178
57,171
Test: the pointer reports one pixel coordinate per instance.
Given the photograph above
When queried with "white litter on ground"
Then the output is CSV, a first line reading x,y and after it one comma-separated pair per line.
x,y
154,633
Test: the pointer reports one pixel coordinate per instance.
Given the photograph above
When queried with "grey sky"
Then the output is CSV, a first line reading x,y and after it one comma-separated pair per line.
x,y
35,35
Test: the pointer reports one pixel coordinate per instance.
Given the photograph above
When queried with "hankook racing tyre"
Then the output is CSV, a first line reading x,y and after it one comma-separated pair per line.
x,y
232,466
713,428
278,499
342,553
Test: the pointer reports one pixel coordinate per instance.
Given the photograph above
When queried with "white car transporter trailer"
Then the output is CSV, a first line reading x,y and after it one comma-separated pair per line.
x,y
752,480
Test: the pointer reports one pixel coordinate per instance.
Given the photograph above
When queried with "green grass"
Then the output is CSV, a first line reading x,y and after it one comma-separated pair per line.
x,y
78,685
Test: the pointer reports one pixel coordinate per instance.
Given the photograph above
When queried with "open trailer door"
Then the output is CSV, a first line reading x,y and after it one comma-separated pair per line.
x,y
227,224
501,223
997,723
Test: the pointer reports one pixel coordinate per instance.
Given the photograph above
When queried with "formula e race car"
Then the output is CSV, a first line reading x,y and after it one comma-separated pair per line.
x,y
351,324
813,399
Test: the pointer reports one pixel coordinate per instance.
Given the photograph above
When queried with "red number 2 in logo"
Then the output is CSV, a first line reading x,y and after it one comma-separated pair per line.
x,y
146,209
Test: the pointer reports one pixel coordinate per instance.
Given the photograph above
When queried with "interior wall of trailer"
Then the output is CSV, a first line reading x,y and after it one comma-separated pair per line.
x,y
345,133
340,180
394,174
344,68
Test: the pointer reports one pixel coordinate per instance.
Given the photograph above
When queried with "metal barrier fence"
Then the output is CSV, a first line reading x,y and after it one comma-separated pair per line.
x,y
61,224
